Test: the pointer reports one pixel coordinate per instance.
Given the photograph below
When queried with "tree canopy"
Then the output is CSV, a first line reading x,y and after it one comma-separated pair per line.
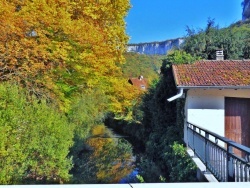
x,y
59,47
232,40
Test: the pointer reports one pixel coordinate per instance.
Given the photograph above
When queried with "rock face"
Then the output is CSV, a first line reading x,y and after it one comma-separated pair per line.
x,y
246,10
155,48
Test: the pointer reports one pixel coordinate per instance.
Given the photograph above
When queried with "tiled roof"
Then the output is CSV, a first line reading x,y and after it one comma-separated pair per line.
x,y
139,83
213,73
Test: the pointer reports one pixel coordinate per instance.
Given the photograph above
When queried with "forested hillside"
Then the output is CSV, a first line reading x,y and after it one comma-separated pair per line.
x,y
234,41
141,64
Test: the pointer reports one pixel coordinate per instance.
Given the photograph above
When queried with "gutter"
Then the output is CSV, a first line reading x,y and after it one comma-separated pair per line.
x,y
181,88
213,87
176,96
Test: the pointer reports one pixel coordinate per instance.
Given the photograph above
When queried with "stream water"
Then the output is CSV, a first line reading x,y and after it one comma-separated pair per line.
x,y
132,177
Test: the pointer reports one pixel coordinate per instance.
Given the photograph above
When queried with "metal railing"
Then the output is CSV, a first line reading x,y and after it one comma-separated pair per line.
x,y
217,154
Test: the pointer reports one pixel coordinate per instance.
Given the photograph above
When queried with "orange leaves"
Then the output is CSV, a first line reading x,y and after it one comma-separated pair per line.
x,y
25,41
78,42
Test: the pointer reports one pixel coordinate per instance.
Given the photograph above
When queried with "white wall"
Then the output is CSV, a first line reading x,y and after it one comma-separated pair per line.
x,y
206,107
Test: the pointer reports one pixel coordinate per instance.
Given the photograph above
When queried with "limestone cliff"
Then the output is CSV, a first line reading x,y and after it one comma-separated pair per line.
x,y
155,48
246,10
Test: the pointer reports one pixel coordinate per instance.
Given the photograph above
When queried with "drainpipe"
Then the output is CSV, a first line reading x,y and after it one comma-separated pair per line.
x,y
176,96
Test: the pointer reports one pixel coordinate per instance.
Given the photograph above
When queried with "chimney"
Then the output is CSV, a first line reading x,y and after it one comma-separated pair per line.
x,y
219,55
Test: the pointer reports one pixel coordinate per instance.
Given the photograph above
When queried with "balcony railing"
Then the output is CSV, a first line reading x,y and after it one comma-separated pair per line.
x,y
217,154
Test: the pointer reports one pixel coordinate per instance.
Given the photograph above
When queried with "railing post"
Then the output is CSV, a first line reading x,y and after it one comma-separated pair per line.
x,y
194,132
230,167
206,149
187,125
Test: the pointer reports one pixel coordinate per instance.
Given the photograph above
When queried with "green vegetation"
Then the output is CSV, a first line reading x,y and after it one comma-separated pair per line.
x,y
180,57
157,132
234,41
35,139
141,64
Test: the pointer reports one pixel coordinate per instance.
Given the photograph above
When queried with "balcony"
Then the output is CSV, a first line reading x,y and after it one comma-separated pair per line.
x,y
227,160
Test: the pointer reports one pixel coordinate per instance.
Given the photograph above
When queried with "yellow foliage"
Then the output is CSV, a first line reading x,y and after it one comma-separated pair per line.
x,y
124,95
98,130
78,43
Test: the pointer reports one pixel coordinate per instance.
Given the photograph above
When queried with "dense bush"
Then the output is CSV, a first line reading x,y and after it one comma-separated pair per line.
x,y
35,139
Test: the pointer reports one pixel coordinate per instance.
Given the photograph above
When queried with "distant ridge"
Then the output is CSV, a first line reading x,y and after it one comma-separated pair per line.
x,y
155,48
155,41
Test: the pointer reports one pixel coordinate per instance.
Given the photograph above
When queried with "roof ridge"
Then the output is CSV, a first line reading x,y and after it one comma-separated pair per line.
x,y
213,73
225,60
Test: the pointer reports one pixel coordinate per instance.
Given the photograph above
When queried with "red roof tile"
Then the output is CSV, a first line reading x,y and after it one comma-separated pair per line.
x,y
139,83
213,73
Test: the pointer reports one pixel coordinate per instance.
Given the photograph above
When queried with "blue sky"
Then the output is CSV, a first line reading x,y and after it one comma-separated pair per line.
x,y
159,20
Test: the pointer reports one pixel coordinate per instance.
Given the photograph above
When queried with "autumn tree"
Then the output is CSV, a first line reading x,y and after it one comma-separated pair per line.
x,y
56,48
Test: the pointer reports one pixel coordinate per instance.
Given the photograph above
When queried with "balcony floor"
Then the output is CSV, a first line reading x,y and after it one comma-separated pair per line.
x,y
202,173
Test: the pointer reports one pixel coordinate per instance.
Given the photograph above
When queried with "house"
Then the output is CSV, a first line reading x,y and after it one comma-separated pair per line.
x,y
140,82
217,96
217,100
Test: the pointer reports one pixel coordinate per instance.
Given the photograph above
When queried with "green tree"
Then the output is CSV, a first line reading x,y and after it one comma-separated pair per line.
x,y
35,141
232,40
180,57
65,55
181,165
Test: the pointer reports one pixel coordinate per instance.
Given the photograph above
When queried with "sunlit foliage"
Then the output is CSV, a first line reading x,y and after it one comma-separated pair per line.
x,y
35,139
142,64
57,47
234,41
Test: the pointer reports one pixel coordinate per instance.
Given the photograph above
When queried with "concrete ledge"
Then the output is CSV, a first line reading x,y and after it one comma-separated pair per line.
x,y
202,174
139,185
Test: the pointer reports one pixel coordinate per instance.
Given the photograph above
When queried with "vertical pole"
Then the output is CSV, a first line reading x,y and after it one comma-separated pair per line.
x,y
186,127
194,132
230,168
206,150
